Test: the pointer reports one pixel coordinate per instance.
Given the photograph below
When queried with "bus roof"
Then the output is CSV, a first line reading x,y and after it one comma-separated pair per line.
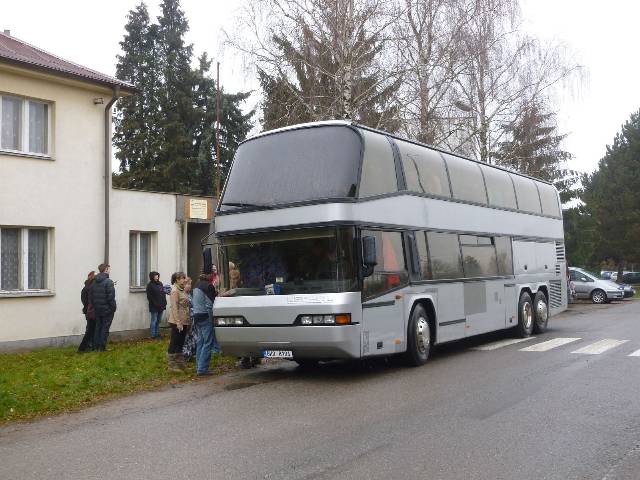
x,y
351,123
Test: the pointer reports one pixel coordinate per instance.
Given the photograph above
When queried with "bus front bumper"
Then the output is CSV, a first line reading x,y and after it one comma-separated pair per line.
x,y
317,342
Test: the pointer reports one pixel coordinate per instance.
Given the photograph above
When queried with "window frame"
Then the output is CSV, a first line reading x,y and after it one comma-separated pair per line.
x,y
23,263
141,279
24,127
363,232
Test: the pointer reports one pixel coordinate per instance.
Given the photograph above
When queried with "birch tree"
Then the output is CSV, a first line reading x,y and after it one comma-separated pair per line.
x,y
503,68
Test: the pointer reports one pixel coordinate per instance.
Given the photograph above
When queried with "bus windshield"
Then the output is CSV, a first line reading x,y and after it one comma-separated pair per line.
x,y
283,263
294,165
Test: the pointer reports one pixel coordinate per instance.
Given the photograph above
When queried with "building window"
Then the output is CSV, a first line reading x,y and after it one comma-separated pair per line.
x,y
23,258
140,247
24,125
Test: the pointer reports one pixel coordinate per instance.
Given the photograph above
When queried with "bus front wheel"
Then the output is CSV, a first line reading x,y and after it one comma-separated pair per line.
x,y
525,316
418,337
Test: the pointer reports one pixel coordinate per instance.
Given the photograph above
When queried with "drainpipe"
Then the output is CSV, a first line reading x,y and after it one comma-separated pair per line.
x,y
107,168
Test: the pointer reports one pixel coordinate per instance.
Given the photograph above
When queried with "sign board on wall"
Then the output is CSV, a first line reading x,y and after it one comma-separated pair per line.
x,y
198,208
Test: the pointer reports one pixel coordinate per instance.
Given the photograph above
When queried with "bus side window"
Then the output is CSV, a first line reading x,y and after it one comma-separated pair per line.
x,y
423,256
466,179
444,252
391,270
378,168
424,170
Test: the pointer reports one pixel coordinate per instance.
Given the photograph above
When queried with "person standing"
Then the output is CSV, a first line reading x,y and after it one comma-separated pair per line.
x,y
86,345
103,298
179,321
203,296
157,303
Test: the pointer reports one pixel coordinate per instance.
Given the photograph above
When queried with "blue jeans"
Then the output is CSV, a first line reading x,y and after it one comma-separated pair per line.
x,y
204,341
156,318
214,344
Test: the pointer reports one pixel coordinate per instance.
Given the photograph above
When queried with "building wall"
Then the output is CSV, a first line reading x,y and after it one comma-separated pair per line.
x,y
145,212
64,193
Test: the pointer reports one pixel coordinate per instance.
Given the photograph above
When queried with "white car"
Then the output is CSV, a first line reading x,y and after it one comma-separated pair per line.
x,y
588,285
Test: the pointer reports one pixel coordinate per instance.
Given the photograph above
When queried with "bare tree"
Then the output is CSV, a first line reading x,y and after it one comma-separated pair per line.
x,y
322,59
428,37
503,69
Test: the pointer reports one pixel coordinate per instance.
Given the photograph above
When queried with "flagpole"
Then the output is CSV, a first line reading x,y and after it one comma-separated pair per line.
x,y
218,131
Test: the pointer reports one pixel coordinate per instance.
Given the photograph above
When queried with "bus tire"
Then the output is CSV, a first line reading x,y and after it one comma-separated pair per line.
x,y
541,312
525,316
418,337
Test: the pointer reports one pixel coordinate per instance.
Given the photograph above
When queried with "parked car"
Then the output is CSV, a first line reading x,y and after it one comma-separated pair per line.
x,y
606,274
629,291
589,285
631,277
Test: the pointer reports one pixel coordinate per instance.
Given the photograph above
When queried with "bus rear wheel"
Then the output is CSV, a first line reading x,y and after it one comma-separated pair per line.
x,y
525,316
418,337
541,312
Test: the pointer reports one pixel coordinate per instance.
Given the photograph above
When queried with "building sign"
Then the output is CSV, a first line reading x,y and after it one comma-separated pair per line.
x,y
198,208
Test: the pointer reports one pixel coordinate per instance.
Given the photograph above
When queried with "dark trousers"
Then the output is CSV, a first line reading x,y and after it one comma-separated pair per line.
x,y
87,341
176,341
101,335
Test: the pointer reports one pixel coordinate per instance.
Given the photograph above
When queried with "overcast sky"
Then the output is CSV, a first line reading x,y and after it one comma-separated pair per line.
x,y
603,38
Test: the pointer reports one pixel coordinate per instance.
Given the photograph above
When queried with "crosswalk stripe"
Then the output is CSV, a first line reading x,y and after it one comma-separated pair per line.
x,y
549,344
600,346
502,343
635,354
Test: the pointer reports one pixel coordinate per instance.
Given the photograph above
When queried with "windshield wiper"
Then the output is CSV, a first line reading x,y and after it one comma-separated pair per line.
x,y
236,204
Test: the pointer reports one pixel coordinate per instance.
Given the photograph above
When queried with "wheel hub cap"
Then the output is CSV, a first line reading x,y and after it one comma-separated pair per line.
x,y
422,335
541,313
527,315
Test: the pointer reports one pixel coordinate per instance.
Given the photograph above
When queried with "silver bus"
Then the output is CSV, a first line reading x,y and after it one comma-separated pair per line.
x,y
337,241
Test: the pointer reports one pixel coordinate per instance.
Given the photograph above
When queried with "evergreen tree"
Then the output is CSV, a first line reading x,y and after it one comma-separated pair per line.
x,y
176,101
132,113
534,148
612,197
165,134
324,62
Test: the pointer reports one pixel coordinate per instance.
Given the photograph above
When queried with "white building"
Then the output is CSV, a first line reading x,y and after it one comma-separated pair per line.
x,y
59,216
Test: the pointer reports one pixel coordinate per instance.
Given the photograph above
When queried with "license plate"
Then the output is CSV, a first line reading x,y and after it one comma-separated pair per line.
x,y
277,354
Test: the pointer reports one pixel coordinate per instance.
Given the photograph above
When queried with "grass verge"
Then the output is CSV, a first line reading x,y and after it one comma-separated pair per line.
x,y
56,380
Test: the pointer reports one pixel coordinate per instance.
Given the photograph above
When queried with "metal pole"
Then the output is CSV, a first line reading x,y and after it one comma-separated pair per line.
x,y
218,132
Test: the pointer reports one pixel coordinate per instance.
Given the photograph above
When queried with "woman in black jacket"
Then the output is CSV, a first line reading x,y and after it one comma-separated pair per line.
x,y
157,302
87,341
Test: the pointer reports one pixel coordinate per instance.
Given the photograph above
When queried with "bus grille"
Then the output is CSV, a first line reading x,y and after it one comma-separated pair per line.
x,y
555,292
560,254
558,271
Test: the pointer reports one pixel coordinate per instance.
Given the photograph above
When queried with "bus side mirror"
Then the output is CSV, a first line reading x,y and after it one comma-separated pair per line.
x,y
207,261
369,256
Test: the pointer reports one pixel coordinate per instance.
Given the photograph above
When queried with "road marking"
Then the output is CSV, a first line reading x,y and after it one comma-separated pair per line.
x,y
635,354
502,343
600,346
549,344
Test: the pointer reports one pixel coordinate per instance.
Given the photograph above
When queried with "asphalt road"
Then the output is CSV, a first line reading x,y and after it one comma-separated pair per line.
x,y
477,410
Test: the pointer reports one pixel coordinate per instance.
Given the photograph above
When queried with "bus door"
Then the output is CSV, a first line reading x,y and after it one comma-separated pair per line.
x,y
383,323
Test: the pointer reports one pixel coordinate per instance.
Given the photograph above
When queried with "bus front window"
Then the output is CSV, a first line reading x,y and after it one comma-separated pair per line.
x,y
301,261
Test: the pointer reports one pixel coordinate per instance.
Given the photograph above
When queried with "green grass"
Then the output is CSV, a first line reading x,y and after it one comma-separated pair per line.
x,y
56,380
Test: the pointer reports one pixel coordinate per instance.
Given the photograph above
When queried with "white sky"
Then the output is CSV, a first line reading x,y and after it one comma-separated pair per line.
x,y
602,35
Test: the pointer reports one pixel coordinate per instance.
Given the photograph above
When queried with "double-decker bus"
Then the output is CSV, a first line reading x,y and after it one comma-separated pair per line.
x,y
338,241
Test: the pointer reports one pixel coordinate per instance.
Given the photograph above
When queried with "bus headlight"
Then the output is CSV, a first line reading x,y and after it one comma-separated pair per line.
x,y
229,321
337,319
